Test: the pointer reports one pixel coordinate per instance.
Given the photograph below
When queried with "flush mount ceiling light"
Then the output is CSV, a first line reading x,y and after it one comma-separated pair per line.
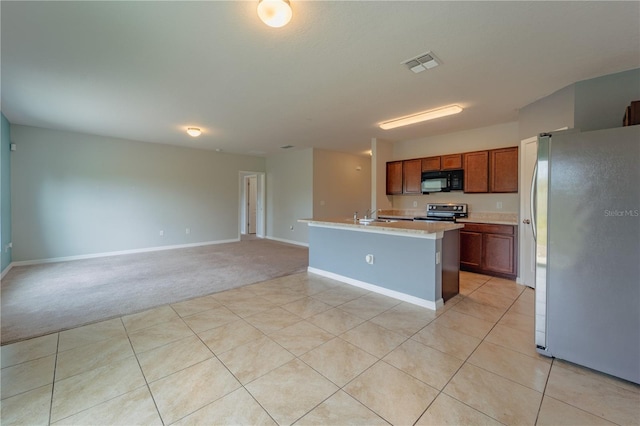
x,y
275,13
420,117
194,132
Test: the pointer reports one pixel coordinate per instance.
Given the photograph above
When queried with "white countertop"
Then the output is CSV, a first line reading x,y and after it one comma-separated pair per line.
x,y
400,227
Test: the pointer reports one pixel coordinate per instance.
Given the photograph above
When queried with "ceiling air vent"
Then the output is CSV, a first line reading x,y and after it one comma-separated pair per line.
x,y
421,63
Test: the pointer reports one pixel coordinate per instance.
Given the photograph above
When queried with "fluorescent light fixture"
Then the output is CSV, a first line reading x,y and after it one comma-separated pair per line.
x,y
275,13
194,131
422,116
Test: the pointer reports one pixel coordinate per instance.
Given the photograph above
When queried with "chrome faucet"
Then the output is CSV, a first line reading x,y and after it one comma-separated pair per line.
x,y
369,213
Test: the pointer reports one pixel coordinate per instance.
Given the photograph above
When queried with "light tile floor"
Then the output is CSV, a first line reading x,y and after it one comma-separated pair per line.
x,y
311,351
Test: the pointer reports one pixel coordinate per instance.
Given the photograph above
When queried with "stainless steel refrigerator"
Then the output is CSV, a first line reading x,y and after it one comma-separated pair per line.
x,y
587,222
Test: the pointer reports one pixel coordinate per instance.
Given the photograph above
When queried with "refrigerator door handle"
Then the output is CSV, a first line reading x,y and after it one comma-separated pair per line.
x,y
532,201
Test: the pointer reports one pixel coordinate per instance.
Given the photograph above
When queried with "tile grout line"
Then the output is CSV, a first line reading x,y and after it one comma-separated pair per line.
x,y
53,382
544,391
135,354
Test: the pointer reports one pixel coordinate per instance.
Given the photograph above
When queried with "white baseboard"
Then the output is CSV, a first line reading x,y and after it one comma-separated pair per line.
x,y
117,253
377,289
6,270
282,240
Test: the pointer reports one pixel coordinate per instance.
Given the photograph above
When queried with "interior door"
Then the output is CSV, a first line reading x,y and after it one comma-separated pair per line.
x,y
252,203
529,154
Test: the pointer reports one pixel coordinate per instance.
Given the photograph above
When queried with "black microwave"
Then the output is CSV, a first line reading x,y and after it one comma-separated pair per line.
x,y
442,181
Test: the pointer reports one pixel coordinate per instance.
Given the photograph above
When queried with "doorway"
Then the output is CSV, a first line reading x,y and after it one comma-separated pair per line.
x,y
529,156
252,201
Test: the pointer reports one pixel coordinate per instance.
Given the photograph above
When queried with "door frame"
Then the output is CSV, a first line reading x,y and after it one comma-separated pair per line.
x,y
525,238
251,183
260,208
525,191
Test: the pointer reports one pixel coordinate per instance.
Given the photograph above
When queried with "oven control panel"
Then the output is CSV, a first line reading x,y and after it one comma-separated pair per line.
x,y
450,209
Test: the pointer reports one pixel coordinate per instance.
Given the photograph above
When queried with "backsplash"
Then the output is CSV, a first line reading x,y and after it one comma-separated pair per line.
x,y
485,203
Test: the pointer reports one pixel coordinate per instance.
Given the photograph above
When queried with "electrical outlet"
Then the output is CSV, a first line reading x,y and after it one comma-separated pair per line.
x,y
369,259
437,258
161,233
291,227
187,231
499,205
415,204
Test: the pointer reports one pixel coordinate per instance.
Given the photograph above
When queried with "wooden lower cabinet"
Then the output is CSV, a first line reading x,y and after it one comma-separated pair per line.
x,y
499,251
471,249
489,249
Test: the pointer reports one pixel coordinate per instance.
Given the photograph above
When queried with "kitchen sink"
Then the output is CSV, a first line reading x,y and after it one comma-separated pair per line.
x,y
371,220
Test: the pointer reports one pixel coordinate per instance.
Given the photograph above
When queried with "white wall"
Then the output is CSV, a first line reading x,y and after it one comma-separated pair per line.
x,y
289,194
75,194
601,102
553,112
497,136
339,188
382,151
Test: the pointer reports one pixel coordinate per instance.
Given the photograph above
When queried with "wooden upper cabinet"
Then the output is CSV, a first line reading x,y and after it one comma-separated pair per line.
x,y
394,177
493,170
503,167
451,162
476,171
412,176
431,164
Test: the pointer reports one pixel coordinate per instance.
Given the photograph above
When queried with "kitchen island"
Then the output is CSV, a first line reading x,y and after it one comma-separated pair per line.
x,y
417,262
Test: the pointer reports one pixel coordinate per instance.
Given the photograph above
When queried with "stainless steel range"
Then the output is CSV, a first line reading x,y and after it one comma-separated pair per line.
x,y
443,212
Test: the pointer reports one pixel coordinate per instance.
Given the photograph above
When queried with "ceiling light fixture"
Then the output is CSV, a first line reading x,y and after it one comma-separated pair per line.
x,y
194,132
275,13
420,117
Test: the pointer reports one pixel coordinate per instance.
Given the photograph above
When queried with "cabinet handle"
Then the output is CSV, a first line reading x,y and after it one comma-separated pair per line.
x,y
526,221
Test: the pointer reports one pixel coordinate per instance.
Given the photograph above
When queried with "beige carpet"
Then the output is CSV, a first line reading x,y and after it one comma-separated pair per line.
x,y
41,299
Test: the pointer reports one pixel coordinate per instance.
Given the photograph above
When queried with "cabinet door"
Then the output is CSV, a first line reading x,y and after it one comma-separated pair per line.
x,y
451,162
476,171
499,255
412,176
471,249
394,177
503,170
431,164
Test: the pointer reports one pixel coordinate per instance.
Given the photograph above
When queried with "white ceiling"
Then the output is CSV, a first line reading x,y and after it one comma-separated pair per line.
x,y
147,70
